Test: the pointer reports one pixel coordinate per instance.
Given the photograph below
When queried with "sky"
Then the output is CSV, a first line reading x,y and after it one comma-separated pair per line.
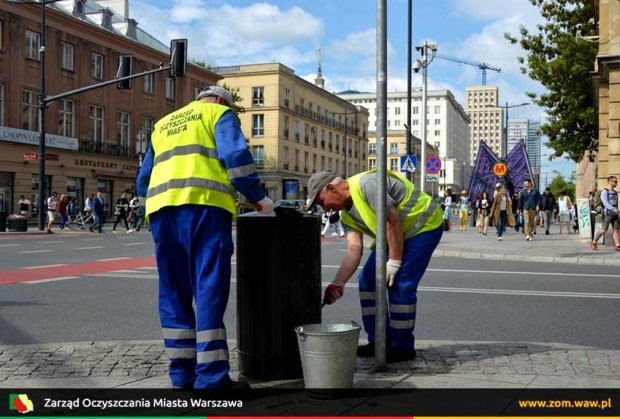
x,y
223,33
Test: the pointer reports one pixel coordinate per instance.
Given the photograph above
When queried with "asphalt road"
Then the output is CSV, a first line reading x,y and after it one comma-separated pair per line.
x,y
109,292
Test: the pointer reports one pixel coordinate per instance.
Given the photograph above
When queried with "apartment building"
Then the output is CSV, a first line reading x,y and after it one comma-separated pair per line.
x,y
486,119
447,127
296,128
91,137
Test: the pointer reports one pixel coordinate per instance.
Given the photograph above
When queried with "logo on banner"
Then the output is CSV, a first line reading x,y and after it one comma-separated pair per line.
x,y
500,169
21,403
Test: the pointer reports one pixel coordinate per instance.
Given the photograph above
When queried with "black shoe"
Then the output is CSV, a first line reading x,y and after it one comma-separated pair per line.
x,y
366,351
547,232
91,229
241,385
399,355
49,231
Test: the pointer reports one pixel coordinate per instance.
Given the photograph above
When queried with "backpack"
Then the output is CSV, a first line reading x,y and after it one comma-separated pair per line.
x,y
597,203
334,217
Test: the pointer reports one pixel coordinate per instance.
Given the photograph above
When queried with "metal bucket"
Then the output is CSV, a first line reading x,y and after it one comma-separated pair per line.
x,y
328,354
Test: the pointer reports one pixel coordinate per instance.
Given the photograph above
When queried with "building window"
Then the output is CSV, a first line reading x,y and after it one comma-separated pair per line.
x,y
285,160
66,56
2,102
258,96
437,121
372,148
394,148
372,163
397,110
66,118
1,37
33,44
96,125
287,94
122,129
296,160
148,125
258,125
437,132
394,165
415,110
148,83
169,88
286,126
30,121
258,154
297,130
306,154
437,109
96,65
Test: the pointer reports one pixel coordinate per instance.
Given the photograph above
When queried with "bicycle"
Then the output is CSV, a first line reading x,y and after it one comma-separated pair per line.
x,y
80,220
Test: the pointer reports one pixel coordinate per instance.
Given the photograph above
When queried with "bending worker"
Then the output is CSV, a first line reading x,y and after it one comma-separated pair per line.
x,y
197,160
414,228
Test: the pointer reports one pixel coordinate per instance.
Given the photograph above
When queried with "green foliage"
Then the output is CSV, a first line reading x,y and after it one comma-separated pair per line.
x,y
559,184
561,63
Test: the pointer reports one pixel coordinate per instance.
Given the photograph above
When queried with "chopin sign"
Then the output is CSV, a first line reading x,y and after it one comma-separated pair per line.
x,y
21,136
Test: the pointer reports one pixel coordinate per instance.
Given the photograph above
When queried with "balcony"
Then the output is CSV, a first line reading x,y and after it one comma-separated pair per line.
x,y
107,149
285,166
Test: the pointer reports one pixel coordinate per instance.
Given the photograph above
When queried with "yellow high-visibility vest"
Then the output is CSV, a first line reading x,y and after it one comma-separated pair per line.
x,y
186,169
418,212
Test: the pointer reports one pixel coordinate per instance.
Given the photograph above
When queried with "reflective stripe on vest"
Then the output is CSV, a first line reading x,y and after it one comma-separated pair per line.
x,y
186,168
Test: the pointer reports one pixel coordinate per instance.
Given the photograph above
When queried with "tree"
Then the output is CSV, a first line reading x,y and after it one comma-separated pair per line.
x,y
561,62
558,184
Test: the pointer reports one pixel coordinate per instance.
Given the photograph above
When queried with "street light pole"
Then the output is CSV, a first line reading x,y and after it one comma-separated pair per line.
x,y
424,63
42,106
344,172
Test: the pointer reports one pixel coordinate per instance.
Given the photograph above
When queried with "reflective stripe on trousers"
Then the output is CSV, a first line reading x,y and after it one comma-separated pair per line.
x,y
402,297
194,267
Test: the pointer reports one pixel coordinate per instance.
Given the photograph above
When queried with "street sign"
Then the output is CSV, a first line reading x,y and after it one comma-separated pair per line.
x,y
432,178
500,169
30,156
433,165
409,163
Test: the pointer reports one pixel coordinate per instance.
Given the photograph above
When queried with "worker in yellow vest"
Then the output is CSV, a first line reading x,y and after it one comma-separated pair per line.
x,y
197,161
414,228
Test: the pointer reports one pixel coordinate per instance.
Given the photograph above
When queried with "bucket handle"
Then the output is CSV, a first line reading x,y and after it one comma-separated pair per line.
x,y
300,330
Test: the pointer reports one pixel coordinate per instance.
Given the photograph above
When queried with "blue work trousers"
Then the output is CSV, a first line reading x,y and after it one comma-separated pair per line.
x,y
402,296
193,247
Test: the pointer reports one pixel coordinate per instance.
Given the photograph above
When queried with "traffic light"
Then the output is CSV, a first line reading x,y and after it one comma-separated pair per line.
x,y
124,70
178,57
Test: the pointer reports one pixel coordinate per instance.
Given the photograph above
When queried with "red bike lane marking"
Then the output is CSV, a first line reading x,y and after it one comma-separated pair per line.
x,y
77,269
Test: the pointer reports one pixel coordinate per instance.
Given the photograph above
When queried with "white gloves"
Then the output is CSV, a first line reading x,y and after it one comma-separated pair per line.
x,y
265,206
391,269
333,292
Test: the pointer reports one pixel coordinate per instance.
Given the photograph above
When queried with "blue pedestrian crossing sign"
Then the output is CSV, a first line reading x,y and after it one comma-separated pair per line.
x,y
408,163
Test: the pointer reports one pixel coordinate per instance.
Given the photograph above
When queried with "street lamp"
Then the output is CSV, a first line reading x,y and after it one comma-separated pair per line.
x,y
505,139
423,63
41,112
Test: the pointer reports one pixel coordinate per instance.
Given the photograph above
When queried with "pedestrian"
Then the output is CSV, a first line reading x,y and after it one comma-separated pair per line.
x,y
51,204
464,206
609,198
120,211
593,213
414,228
24,206
62,209
484,211
564,207
477,214
98,208
501,211
88,203
547,207
447,205
529,205
333,219
134,213
190,176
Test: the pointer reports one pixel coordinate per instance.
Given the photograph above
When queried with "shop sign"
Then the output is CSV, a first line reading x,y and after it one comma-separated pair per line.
x,y
21,136
35,156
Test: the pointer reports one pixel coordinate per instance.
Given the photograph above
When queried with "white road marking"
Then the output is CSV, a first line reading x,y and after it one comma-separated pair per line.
x,y
8,245
88,248
134,244
121,275
36,251
52,241
41,281
90,240
107,260
45,266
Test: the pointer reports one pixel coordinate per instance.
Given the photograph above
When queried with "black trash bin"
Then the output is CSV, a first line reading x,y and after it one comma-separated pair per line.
x,y
2,222
278,289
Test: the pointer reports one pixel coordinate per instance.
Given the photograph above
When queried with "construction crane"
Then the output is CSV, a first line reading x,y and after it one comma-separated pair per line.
x,y
481,66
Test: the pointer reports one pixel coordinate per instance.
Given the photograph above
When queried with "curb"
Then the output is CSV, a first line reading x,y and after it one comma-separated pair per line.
x,y
603,259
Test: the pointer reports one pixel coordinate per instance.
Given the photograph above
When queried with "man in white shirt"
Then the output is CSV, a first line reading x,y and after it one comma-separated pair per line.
x,y
24,206
51,202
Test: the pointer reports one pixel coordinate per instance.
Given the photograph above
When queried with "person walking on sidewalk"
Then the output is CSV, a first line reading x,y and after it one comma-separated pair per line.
x,y
414,228
609,198
197,161
529,204
564,206
51,204
484,211
120,211
62,209
501,211
332,218
447,207
464,208
98,208
547,207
